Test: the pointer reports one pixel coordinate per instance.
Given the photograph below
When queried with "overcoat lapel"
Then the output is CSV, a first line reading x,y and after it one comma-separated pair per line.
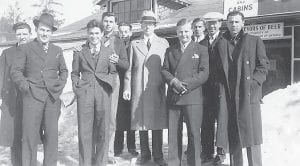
x,y
187,53
239,51
155,44
141,46
103,52
88,57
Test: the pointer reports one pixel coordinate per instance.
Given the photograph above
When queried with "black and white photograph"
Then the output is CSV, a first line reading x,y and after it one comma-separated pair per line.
x,y
149,82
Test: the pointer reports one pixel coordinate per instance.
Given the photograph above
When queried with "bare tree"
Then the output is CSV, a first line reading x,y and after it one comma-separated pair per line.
x,y
52,7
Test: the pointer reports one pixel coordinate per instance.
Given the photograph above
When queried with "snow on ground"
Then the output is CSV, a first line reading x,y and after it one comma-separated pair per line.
x,y
281,131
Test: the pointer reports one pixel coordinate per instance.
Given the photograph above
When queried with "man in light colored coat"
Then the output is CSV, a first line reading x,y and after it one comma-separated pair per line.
x,y
145,87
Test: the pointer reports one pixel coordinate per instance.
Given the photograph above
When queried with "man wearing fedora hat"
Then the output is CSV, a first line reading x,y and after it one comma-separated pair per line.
x,y
40,73
144,86
11,98
214,108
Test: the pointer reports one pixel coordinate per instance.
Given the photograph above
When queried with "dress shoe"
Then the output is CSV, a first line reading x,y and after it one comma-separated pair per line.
x,y
118,153
160,162
133,152
219,158
111,160
143,160
207,158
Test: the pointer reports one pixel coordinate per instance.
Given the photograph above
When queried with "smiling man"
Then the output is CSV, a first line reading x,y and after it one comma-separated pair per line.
x,y
11,98
40,72
185,69
93,83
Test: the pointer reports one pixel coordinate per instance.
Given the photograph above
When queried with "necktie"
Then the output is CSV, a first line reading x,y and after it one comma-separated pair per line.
x,y
148,44
45,47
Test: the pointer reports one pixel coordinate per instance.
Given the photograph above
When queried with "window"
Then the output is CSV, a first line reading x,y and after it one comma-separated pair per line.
x,y
130,10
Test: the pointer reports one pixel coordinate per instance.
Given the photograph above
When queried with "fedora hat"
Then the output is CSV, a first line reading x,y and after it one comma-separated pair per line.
x,y
46,19
213,16
148,16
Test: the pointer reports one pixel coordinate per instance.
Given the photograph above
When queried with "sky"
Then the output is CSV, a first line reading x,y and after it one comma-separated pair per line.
x,y
73,10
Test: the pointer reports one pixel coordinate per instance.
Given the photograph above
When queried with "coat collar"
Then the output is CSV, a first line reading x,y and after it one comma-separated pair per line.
x,y
87,54
142,47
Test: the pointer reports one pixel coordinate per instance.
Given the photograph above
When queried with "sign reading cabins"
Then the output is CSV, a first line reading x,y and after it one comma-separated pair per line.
x,y
248,7
266,31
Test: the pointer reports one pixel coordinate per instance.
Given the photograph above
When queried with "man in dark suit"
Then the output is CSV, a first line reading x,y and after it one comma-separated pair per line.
x,y
111,39
185,69
123,119
40,73
211,106
245,68
93,81
11,98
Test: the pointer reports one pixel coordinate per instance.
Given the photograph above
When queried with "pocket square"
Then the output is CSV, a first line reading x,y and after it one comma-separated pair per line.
x,y
58,55
107,43
195,56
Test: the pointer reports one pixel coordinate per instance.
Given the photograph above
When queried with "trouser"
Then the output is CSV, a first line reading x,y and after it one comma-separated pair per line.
x,y
16,148
113,114
93,110
208,131
193,117
119,140
35,114
156,144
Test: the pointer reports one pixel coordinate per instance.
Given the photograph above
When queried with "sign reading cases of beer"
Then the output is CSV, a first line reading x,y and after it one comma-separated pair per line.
x,y
248,7
266,31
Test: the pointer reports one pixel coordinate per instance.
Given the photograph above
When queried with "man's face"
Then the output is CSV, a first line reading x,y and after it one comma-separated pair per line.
x,y
94,35
235,24
124,32
184,33
213,26
198,28
109,23
22,35
148,28
44,33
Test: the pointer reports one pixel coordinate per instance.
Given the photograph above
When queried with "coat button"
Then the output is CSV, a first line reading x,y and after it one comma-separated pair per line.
x,y
248,78
247,62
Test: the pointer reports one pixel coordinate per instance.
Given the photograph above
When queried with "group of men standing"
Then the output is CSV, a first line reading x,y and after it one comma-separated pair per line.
x,y
120,85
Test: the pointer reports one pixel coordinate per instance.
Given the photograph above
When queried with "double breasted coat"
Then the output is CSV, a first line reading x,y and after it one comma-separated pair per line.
x,y
191,67
11,108
252,68
144,80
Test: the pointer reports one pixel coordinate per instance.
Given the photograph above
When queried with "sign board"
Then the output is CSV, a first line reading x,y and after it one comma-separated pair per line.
x,y
248,7
266,31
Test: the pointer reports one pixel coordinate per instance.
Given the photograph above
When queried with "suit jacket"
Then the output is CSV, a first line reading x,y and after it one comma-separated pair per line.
x,y
84,70
11,106
252,68
191,67
38,72
144,80
115,43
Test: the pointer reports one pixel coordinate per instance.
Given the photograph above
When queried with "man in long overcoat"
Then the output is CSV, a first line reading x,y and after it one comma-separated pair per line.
x,y
11,98
146,89
185,69
212,109
245,68
40,72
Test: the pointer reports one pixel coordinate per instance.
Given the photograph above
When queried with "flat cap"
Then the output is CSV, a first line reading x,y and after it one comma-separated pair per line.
x,y
21,25
213,16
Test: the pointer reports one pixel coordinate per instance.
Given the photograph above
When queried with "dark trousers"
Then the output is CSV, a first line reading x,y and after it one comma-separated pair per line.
x,y
93,110
193,116
119,140
208,130
35,115
156,144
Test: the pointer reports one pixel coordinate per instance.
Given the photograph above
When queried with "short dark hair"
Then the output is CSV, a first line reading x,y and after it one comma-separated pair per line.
x,y
109,14
125,24
198,20
21,25
182,22
94,24
236,13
